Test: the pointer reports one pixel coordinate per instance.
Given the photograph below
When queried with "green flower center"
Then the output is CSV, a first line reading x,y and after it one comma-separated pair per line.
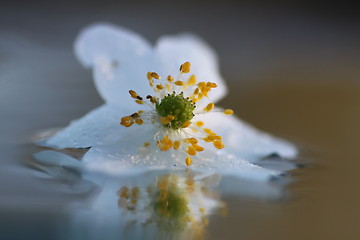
x,y
177,106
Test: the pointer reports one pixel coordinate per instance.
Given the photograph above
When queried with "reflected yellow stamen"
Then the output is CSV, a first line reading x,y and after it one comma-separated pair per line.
x,y
146,144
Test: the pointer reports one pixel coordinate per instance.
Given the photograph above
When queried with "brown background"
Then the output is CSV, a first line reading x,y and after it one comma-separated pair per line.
x,y
293,70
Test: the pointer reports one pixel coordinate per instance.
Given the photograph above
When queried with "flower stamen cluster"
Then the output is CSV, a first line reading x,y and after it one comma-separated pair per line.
x,y
172,109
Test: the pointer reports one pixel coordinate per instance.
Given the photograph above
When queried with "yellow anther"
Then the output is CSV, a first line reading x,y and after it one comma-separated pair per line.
x,y
170,78
165,144
208,131
191,150
159,86
127,121
176,145
192,140
133,94
168,87
185,68
155,75
139,121
199,123
202,85
214,137
149,76
188,161
146,144
179,83
139,101
199,148
140,111
209,107
196,91
192,80
186,124
170,117
219,144
153,100
229,112
212,85
165,120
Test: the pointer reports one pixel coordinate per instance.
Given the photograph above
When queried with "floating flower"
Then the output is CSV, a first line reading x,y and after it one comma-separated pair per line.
x,y
173,128
172,110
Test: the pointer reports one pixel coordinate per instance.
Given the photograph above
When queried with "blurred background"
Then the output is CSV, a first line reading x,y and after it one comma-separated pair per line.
x,y
292,69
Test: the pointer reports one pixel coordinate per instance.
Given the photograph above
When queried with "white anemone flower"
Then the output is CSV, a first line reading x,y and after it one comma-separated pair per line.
x,y
169,127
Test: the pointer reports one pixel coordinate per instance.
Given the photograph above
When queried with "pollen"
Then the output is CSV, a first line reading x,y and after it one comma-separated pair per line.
x,y
173,107
209,107
188,161
185,68
199,123
219,144
229,112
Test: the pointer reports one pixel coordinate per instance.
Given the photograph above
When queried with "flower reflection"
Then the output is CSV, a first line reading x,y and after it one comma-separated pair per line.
x,y
175,204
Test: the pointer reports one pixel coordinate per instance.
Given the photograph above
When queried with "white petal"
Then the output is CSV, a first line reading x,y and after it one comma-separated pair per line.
x,y
120,60
243,140
128,156
100,126
172,51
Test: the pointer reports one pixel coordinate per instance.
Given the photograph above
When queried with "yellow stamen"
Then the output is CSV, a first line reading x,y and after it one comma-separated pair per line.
x,y
188,161
199,123
159,86
192,80
170,78
133,94
165,144
179,83
139,101
191,150
228,111
165,120
155,75
199,148
185,68
146,144
208,131
176,145
186,124
219,144
209,107
139,121
170,117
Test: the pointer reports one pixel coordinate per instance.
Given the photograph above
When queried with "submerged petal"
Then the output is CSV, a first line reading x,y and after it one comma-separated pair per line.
x,y
98,127
172,51
119,58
